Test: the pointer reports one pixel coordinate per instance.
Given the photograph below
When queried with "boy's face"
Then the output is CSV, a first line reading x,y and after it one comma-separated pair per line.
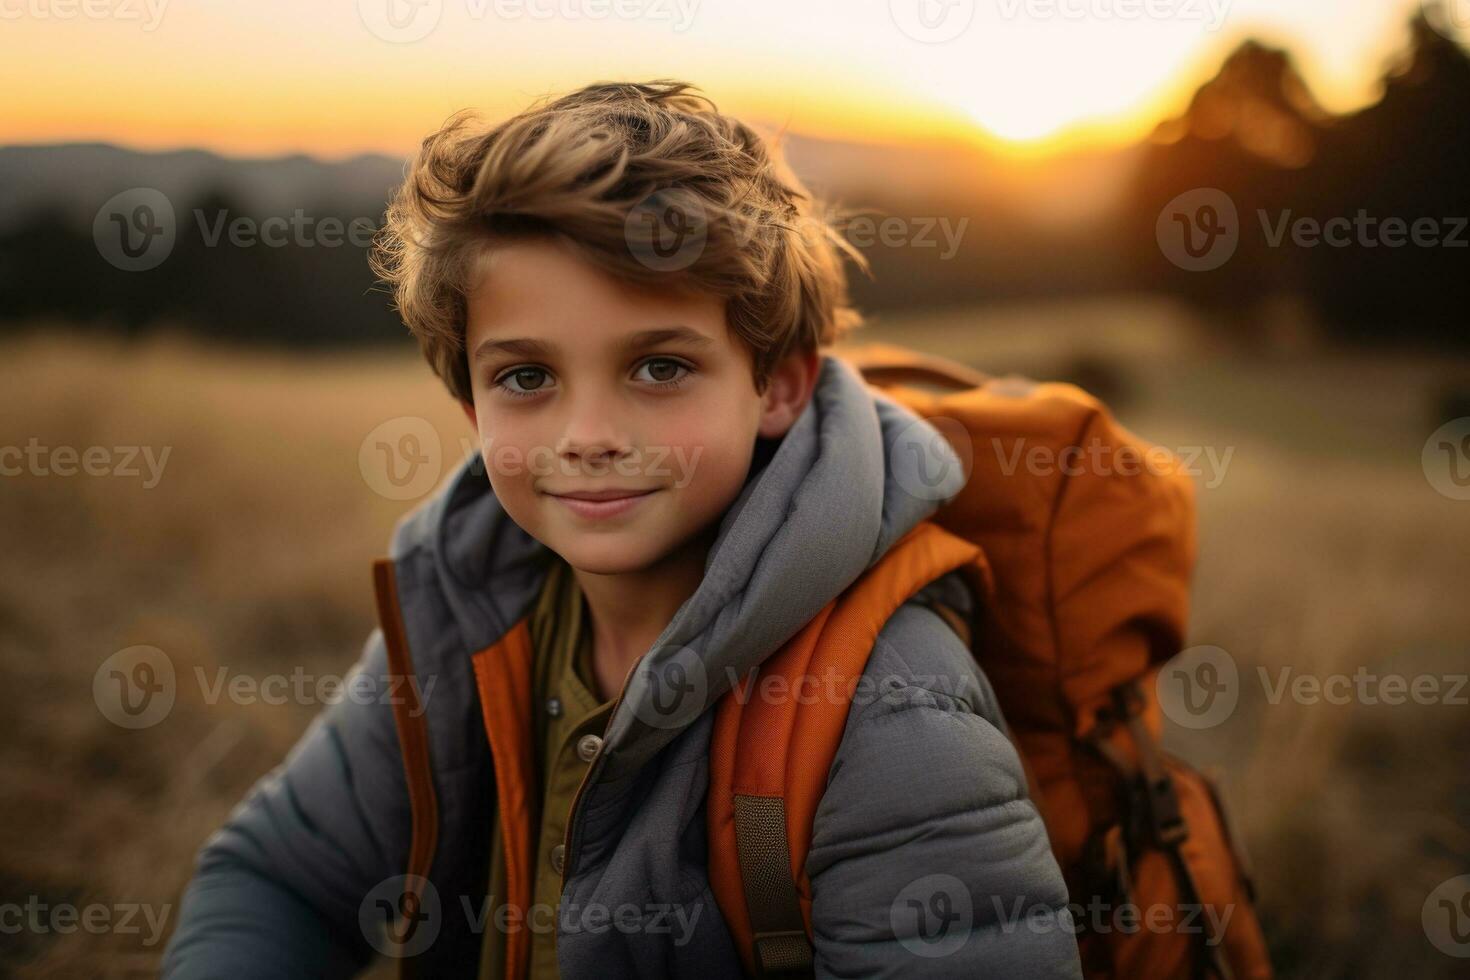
x,y
583,384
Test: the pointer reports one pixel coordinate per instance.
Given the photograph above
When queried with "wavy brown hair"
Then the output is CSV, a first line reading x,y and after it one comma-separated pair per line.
x,y
608,169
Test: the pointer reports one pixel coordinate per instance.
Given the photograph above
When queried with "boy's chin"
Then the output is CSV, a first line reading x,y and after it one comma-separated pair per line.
x,y
617,553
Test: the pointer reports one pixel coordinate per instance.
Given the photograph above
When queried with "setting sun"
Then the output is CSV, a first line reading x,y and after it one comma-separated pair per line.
x,y
1022,75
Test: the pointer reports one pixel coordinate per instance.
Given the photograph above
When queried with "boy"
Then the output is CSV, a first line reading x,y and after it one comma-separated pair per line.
x,y
626,294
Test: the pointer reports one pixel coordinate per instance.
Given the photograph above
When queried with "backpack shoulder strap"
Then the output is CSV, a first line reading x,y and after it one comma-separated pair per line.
x,y
772,748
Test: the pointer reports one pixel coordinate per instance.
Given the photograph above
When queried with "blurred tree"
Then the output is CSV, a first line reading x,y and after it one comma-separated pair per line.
x,y
1255,132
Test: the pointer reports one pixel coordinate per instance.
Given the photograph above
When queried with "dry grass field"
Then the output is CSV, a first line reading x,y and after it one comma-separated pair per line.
x,y
1323,549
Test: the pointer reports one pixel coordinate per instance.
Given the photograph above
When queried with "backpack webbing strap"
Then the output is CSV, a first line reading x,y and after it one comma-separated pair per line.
x,y
781,944
413,742
1154,809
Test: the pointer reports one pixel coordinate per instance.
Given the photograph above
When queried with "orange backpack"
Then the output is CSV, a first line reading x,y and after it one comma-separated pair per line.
x,y
1083,576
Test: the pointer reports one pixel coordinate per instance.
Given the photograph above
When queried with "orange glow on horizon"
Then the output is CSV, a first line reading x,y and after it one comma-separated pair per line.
x,y
283,92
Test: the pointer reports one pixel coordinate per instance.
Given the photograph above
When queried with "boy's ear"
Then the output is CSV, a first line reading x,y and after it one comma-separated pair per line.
x,y
469,412
788,390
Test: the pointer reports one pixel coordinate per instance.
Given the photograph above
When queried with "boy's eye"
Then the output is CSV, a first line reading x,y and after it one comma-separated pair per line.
x,y
522,381
660,372
664,370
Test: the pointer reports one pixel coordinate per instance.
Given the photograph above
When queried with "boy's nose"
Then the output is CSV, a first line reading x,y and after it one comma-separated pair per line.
x,y
593,440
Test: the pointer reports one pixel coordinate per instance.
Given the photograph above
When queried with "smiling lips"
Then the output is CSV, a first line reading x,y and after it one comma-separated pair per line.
x,y
602,503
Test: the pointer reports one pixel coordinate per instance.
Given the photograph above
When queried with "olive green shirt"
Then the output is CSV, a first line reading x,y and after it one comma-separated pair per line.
x,y
568,722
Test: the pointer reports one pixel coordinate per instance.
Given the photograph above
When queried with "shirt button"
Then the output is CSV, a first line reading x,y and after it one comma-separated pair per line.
x,y
558,857
553,707
587,747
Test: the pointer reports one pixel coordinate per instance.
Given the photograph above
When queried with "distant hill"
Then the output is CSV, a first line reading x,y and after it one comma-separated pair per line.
x,y
76,178
969,226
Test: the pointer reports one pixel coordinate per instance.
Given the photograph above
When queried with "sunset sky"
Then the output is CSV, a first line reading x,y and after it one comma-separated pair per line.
x,y
340,77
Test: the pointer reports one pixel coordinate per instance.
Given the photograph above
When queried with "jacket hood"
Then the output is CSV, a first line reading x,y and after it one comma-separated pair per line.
x,y
855,472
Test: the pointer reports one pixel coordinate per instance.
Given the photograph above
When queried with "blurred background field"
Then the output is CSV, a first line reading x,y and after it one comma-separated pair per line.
x,y
1323,547
1049,151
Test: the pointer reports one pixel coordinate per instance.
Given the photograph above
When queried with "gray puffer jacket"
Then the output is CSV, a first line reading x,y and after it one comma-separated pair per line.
x,y
927,857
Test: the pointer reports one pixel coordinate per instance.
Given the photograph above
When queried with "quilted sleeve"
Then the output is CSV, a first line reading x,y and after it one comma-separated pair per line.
x,y
276,891
928,858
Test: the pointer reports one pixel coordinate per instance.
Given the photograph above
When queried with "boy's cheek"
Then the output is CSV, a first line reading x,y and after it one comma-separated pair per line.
x,y
523,462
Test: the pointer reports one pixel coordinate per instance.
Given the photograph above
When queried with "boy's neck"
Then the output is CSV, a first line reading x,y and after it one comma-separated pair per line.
x,y
629,611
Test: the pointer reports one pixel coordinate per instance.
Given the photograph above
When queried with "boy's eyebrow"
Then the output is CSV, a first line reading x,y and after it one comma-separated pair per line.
x,y
530,347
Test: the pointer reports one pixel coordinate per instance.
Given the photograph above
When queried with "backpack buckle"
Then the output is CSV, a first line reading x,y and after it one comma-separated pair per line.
x,y
1154,807
1166,821
1160,800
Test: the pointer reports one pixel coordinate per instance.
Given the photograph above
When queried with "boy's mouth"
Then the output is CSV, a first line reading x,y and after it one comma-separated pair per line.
x,y
609,493
602,503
